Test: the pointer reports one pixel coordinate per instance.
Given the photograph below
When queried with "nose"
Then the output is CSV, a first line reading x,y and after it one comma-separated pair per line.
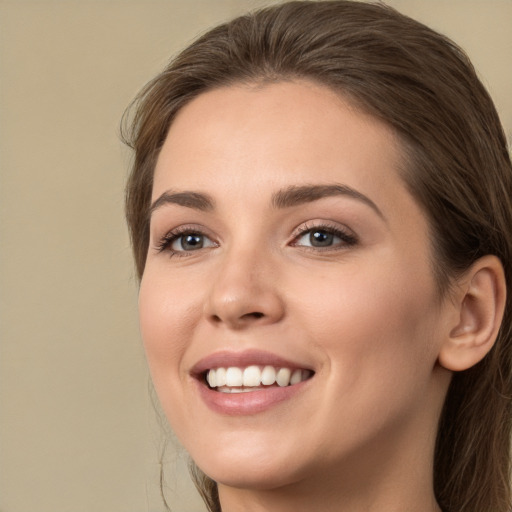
x,y
245,293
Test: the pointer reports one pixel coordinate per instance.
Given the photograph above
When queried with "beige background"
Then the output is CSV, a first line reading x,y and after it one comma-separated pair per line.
x,y
77,430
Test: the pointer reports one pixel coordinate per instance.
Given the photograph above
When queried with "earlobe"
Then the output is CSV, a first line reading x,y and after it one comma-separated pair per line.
x,y
480,306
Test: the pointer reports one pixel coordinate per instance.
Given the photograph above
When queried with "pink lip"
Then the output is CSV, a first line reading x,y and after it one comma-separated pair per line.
x,y
244,404
254,402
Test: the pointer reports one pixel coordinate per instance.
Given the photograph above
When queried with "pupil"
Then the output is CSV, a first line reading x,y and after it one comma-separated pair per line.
x,y
321,239
191,242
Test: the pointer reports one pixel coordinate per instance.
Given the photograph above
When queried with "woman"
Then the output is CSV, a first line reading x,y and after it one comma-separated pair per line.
x,y
320,214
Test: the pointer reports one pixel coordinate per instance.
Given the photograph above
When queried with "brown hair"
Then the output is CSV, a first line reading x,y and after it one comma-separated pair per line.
x,y
458,169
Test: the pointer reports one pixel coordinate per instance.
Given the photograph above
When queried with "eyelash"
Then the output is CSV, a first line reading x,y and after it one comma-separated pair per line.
x,y
348,239
167,240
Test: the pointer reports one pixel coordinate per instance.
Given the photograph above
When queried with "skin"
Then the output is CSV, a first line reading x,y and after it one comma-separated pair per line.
x,y
365,316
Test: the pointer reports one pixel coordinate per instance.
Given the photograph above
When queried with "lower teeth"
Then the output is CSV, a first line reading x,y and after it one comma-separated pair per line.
x,y
225,389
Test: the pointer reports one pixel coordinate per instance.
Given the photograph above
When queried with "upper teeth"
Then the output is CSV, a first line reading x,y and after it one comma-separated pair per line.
x,y
255,376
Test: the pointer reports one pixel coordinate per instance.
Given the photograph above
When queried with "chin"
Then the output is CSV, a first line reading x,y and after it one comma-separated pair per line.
x,y
247,471
261,478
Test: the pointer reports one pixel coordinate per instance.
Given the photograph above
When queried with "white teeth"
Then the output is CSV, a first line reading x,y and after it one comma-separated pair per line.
x,y
252,376
283,377
294,379
234,376
268,376
211,378
220,377
231,380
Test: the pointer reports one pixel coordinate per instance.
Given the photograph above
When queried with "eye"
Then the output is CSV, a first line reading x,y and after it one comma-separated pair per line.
x,y
180,242
190,242
318,238
324,237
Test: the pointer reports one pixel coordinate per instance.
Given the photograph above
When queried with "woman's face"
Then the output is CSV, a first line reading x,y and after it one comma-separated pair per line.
x,y
283,241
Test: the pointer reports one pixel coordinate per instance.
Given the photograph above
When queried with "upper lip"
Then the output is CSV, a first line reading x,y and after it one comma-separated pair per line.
x,y
227,358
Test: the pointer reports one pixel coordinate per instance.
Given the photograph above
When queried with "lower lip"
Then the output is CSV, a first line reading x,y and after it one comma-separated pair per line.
x,y
253,402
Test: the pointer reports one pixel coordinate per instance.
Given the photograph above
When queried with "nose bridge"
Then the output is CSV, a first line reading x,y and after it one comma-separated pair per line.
x,y
244,290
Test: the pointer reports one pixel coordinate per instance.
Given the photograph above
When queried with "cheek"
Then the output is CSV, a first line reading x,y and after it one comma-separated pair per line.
x,y
376,323
166,322
378,336
167,318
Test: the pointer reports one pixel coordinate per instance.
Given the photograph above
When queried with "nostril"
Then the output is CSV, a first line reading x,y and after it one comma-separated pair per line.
x,y
256,314
245,317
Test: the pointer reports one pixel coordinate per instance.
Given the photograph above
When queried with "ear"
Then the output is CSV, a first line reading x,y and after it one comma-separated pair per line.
x,y
480,303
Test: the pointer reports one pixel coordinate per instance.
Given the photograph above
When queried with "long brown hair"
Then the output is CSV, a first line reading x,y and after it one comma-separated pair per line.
x,y
458,169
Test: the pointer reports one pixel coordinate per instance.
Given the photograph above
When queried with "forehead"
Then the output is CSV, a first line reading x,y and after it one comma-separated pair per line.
x,y
288,131
231,142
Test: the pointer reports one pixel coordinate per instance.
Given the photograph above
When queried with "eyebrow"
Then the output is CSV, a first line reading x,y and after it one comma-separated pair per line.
x,y
297,195
195,200
286,198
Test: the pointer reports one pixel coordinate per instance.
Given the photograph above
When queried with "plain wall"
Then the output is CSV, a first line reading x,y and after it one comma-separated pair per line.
x,y
77,428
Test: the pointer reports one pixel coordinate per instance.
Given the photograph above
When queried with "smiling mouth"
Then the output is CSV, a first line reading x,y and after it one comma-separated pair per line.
x,y
252,378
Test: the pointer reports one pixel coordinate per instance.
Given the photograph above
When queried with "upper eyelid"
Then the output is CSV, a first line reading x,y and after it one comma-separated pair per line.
x,y
184,228
304,227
